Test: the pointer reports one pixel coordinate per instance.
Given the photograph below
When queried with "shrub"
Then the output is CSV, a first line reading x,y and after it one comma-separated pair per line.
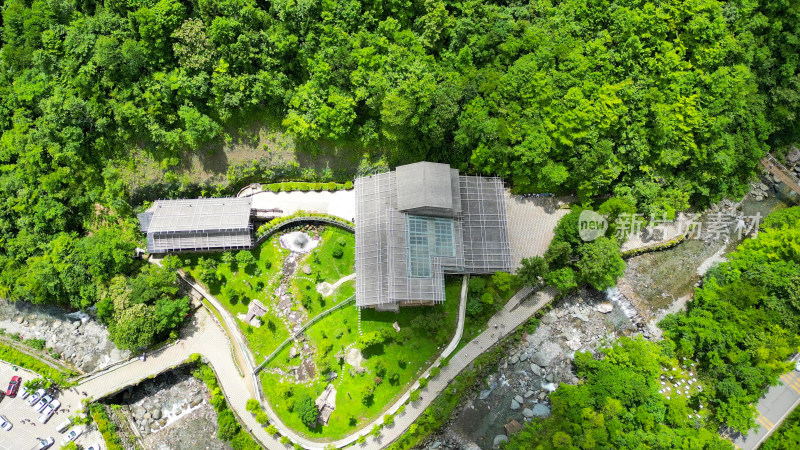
x,y
367,391
272,430
423,382
341,241
228,427
380,368
252,405
361,440
262,418
394,377
38,344
306,410
502,281
474,307
388,420
337,253
414,396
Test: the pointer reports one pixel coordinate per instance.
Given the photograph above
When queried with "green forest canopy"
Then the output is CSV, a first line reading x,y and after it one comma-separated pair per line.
x,y
657,103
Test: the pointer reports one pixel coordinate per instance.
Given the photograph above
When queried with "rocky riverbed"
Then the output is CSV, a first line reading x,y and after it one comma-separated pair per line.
x,y
518,391
77,337
652,286
171,411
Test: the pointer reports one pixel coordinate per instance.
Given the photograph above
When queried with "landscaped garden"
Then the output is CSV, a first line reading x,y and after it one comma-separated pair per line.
x,y
371,359
285,283
372,368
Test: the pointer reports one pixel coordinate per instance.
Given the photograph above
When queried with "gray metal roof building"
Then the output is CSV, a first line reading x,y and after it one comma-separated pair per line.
x,y
420,222
199,224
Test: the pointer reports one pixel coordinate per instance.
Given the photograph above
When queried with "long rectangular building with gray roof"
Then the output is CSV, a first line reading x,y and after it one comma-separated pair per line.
x,y
420,222
200,224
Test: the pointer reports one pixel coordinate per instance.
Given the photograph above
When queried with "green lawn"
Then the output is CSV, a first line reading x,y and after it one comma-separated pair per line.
x,y
235,288
325,267
418,346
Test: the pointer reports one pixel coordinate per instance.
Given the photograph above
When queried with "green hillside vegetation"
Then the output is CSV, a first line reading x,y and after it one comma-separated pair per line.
x,y
739,333
661,104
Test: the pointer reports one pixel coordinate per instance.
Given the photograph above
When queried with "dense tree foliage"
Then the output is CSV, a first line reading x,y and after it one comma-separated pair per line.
x,y
658,104
744,322
740,330
618,406
570,261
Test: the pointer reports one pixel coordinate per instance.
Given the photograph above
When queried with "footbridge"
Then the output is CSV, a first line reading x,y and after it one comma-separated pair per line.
x,y
774,167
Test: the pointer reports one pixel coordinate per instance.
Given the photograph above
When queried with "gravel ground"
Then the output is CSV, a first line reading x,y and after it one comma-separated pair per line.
x,y
77,337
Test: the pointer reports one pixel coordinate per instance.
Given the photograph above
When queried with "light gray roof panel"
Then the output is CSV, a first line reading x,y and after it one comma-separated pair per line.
x,y
424,185
199,214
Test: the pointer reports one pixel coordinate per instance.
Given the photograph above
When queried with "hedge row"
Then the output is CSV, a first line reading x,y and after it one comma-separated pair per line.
x,y
269,227
290,186
18,358
106,427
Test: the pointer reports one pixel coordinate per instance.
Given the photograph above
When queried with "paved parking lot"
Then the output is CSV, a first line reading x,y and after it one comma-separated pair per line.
x,y
23,436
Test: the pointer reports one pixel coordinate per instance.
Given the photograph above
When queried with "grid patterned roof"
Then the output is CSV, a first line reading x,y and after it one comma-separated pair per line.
x,y
402,257
199,214
197,225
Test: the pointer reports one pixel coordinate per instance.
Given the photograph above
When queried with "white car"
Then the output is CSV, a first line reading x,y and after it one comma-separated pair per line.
x,y
72,434
94,447
51,407
48,411
42,402
5,424
44,443
25,393
36,396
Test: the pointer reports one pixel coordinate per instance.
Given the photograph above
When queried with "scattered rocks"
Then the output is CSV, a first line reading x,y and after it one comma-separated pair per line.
x,y
76,336
527,413
518,399
515,405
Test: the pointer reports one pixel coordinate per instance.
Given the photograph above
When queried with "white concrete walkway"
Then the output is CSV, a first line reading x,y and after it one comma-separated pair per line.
x,y
338,203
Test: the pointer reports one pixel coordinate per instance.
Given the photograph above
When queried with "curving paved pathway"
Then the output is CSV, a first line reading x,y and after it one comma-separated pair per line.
x,y
204,336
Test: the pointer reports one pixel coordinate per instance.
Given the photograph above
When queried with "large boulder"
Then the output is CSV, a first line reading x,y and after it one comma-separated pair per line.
x,y
499,439
540,410
545,354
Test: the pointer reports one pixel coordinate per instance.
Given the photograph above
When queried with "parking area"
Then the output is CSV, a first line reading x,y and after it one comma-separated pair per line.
x,y
23,435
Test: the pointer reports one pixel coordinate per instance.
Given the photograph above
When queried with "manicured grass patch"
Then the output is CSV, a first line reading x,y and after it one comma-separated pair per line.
x,y
330,261
235,286
392,363
18,358
237,278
